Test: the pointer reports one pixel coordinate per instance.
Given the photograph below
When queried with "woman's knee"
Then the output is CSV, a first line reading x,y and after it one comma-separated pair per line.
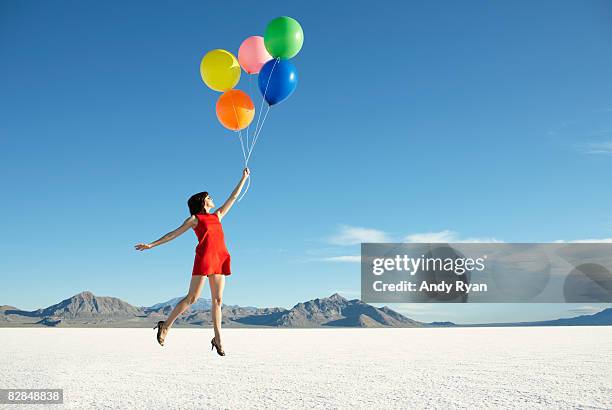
x,y
191,298
217,301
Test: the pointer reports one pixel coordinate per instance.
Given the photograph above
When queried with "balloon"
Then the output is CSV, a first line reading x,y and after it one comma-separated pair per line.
x,y
284,37
220,70
235,109
252,54
277,80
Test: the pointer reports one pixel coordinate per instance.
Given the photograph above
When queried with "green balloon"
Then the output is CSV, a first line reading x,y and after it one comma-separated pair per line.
x,y
284,37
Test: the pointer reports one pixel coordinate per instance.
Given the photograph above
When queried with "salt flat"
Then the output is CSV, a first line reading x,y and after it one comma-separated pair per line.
x,y
521,367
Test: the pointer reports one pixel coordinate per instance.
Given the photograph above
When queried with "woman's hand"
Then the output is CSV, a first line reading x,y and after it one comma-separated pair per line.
x,y
246,172
143,246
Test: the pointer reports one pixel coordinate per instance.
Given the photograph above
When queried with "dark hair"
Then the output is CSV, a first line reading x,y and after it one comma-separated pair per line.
x,y
196,202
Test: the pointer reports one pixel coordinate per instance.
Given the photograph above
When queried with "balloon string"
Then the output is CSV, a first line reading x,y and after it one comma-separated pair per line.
x,y
238,130
263,97
256,137
247,188
257,128
246,161
245,165
249,126
244,156
242,145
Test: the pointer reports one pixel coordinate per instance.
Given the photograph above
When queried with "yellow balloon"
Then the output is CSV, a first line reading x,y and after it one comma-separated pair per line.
x,y
220,70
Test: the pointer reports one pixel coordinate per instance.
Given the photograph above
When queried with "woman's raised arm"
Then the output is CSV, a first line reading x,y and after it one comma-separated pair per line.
x,y
224,209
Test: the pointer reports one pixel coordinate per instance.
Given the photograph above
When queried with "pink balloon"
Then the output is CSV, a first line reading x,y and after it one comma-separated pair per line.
x,y
252,54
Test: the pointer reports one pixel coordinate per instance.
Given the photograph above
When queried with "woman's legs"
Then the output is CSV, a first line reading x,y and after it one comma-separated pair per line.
x,y
217,282
195,288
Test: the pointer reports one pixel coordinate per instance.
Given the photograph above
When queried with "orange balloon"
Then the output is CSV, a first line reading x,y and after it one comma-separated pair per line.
x,y
235,109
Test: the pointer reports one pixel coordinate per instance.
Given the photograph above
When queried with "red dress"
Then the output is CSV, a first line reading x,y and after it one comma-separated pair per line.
x,y
212,255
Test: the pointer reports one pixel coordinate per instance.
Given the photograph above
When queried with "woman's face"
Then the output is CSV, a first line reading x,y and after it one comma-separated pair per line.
x,y
208,202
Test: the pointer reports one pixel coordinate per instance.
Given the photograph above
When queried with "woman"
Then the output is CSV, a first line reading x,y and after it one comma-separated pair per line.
x,y
212,258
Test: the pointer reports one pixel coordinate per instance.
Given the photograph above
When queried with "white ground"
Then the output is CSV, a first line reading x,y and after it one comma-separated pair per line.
x,y
560,367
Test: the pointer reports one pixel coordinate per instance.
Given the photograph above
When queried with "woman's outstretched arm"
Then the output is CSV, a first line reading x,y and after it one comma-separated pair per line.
x,y
224,209
189,222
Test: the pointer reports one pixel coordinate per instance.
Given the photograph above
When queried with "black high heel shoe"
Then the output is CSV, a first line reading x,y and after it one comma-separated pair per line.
x,y
220,351
159,326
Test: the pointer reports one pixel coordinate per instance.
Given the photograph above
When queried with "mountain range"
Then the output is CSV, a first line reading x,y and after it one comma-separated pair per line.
x,y
88,310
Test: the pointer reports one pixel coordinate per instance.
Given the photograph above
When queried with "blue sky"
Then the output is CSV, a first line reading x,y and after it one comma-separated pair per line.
x,y
473,120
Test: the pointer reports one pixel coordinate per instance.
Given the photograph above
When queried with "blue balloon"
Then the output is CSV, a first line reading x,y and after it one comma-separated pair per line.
x,y
277,80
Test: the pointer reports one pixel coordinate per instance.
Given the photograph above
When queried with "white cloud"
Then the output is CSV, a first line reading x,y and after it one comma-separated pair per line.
x,y
445,236
354,235
431,237
599,148
343,258
603,240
